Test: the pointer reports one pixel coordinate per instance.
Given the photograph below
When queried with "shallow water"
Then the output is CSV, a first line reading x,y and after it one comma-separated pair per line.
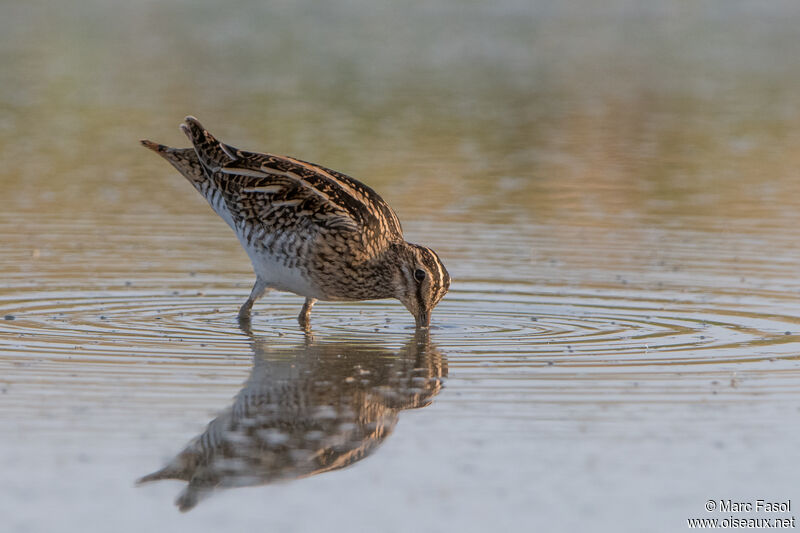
x,y
613,189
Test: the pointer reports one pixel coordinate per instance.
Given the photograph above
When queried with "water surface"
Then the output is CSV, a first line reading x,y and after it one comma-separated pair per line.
x,y
614,190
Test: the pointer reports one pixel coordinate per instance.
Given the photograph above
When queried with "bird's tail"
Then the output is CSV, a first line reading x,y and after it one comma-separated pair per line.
x,y
212,153
183,159
171,471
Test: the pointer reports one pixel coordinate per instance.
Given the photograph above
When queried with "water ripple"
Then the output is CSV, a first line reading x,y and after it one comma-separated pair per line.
x,y
576,326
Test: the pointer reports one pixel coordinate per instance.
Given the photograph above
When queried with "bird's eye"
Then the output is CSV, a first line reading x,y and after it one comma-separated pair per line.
x,y
419,274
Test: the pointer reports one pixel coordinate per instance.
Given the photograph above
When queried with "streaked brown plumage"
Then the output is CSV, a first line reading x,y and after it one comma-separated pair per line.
x,y
308,229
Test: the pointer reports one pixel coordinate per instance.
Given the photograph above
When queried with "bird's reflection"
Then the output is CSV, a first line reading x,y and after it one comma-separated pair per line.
x,y
313,408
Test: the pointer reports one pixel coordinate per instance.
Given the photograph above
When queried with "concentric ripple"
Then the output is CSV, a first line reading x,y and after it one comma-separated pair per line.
x,y
582,327
578,326
157,331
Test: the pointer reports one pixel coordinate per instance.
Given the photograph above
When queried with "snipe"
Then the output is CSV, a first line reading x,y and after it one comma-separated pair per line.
x,y
308,229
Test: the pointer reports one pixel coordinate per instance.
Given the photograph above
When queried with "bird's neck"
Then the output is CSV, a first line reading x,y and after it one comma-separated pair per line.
x,y
387,269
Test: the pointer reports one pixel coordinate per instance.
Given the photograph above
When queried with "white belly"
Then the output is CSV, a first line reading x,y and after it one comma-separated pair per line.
x,y
279,276
266,266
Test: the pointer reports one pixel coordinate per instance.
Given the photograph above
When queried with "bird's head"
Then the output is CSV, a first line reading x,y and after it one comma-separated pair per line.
x,y
420,282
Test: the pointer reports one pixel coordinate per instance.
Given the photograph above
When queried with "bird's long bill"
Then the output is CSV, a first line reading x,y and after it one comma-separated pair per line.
x,y
423,318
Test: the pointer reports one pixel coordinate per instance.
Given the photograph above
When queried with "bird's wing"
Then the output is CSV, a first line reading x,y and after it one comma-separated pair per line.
x,y
256,185
258,193
329,198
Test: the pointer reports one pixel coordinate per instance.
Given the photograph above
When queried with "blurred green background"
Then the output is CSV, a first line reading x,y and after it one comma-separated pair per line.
x,y
574,112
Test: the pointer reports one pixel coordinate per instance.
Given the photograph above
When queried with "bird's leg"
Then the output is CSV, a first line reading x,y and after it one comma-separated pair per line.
x,y
305,313
258,291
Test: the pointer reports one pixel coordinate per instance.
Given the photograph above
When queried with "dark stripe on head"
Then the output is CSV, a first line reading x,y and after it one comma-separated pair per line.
x,y
440,279
420,297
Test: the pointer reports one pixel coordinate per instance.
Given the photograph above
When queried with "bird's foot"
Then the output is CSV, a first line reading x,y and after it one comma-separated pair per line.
x,y
305,321
244,310
304,318
245,324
